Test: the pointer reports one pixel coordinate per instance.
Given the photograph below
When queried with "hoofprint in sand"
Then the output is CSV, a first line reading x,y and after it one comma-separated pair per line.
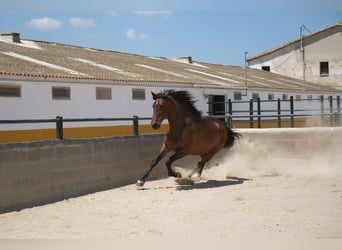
x,y
185,181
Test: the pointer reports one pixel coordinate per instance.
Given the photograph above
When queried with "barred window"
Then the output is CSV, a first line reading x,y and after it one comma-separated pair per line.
x,y
237,96
285,97
10,91
103,93
60,93
255,96
138,94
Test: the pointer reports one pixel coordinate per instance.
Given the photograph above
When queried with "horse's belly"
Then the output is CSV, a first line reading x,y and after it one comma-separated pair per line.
x,y
208,135
206,144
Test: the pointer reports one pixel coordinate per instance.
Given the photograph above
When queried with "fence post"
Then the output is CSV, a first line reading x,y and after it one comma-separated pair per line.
x,y
135,125
338,110
279,113
59,128
259,112
251,125
230,113
292,111
322,109
330,98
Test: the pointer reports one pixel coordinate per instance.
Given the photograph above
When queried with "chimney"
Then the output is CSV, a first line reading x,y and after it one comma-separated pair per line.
x,y
187,59
13,36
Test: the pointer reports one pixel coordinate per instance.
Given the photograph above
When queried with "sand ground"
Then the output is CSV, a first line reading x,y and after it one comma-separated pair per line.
x,y
247,194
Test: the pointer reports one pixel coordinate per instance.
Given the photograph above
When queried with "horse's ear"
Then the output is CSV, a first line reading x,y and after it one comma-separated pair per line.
x,y
153,95
168,92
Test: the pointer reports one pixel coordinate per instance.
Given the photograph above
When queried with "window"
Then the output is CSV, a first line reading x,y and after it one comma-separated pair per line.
x,y
324,68
310,98
285,97
237,96
103,93
138,94
255,96
60,93
10,91
266,68
270,97
298,97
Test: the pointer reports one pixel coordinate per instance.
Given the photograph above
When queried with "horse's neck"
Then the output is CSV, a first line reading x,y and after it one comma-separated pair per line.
x,y
177,122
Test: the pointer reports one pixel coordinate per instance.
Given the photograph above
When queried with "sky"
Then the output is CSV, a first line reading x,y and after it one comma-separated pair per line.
x,y
213,31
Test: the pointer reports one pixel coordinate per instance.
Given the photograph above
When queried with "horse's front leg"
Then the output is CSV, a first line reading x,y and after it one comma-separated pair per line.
x,y
172,158
154,162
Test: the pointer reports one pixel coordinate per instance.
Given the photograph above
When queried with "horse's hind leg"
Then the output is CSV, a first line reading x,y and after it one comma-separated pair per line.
x,y
204,159
199,169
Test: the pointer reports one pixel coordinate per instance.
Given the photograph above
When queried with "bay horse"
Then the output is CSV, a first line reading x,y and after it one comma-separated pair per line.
x,y
189,133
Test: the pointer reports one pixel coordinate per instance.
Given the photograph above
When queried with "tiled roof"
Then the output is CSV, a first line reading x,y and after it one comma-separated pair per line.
x,y
50,60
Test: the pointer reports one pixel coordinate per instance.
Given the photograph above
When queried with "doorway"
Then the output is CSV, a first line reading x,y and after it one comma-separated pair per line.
x,y
217,106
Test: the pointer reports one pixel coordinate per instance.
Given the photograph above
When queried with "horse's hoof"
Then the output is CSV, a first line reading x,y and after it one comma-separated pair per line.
x,y
195,175
178,175
140,183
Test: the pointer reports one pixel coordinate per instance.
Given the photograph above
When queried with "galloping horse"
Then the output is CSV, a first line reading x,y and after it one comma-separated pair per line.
x,y
189,133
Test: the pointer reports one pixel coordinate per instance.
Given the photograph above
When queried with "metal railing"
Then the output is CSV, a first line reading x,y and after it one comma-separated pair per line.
x,y
249,114
59,121
280,111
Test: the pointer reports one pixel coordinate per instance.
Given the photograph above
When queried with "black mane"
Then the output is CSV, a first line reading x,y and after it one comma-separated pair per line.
x,y
185,98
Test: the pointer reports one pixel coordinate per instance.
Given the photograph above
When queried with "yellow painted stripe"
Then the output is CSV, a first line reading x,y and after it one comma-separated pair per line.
x,y
26,135
10,136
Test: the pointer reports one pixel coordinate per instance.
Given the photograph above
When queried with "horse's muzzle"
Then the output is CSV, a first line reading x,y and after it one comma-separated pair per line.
x,y
155,125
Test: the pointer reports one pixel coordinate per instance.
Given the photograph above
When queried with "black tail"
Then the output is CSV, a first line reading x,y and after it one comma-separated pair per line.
x,y
232,136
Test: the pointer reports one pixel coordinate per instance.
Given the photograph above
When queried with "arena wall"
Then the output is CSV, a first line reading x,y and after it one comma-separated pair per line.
x,y
47,171
42,172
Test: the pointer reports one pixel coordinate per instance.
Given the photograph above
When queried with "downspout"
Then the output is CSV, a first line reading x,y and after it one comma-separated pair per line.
x,y
302,49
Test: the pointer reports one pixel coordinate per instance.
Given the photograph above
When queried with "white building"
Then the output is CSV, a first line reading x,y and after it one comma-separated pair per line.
x,y
42,80
316,57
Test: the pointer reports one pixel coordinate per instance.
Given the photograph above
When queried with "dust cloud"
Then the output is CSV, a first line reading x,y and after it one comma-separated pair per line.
x,y
252,157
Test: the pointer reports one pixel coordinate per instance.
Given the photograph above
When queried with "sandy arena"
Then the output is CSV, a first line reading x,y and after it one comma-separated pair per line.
x,y
250,193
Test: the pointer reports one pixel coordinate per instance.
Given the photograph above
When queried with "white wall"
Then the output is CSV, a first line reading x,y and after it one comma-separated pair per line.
x,y
322,47
36,102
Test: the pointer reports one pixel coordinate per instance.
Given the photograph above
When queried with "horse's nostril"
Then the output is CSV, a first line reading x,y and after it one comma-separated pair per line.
x,y
155,125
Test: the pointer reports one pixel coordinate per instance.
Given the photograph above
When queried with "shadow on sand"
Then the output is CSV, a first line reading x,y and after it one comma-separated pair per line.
x,y
231,180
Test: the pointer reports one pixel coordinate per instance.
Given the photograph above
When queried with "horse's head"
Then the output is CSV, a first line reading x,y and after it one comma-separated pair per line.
x,y
159,109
